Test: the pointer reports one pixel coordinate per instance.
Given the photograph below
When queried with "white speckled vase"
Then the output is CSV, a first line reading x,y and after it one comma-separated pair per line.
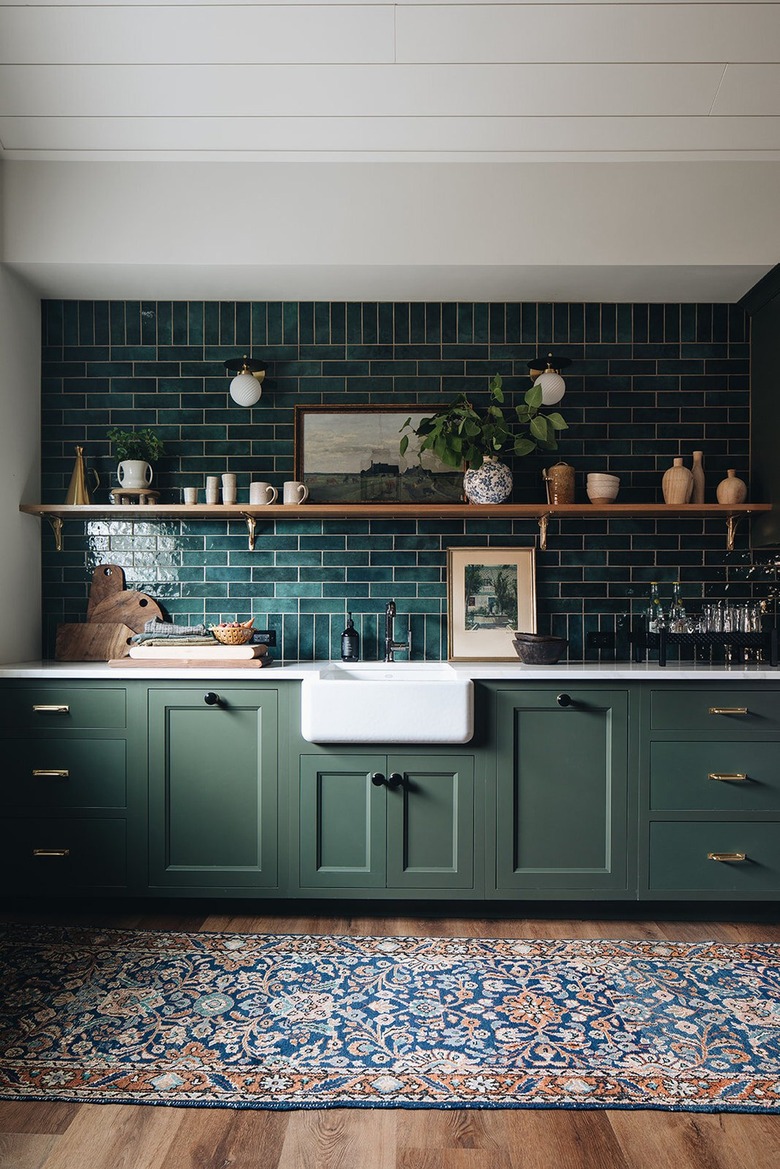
x,y
490,483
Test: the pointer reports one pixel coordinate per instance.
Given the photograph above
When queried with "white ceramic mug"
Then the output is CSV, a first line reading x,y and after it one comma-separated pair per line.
x,y
190,494
295,492
260,493
212,489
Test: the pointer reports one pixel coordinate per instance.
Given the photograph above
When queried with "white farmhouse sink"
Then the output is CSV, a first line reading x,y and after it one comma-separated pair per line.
x,y
397,702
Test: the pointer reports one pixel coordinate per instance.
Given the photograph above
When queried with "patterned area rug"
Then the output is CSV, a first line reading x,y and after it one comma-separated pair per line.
x,y
288,1021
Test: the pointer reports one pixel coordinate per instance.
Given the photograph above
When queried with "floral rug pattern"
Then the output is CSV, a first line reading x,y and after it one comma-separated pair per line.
x,y
297,1021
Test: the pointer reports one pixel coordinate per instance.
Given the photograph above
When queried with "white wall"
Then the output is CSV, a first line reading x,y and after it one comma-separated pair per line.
x,y
20,423
109,222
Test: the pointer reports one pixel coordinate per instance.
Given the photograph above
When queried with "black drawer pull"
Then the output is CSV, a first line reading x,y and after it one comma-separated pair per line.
x,y
58,852
565,700
378,779
729,710
395,781
43,708
728,776
212,699
51,773
736,858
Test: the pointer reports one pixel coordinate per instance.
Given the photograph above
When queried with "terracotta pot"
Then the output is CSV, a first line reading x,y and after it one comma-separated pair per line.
x,y
677,484
731,489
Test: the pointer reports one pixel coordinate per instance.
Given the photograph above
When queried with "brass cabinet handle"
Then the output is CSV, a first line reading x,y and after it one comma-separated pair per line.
x,y
728,776
51,773
51,852
736,857
42,708
728,710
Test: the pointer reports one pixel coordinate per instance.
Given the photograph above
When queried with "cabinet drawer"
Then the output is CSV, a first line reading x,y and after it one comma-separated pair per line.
x,y
715,776
59,856
679,858
59,708
698,710
64,773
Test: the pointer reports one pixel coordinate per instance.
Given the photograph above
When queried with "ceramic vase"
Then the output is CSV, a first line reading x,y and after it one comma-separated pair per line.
x,y
134,474
677,484
697,470
731,489
490,483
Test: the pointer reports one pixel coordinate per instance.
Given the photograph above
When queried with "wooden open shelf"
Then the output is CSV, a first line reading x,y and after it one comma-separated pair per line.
x,y
57,514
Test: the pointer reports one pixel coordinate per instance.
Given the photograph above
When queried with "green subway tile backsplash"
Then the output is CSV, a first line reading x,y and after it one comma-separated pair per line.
x,y
646,383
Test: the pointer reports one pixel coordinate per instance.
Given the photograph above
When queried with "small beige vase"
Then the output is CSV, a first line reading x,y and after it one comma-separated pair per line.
x,y
677,484
731,489
697,470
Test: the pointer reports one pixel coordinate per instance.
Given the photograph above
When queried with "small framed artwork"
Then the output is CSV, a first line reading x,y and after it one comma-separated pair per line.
x,y
351,454
490,592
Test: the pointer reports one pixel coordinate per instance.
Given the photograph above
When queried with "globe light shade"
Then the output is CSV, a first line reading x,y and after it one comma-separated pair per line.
x,y
552,385
245,386
245,389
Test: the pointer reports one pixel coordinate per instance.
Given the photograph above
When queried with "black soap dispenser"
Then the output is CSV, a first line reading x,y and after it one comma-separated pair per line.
x,y
350,642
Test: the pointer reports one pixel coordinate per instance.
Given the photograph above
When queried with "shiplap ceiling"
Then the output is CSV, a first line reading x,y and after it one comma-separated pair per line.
x,y
374,81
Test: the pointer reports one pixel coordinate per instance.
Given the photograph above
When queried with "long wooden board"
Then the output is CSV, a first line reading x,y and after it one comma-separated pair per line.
x,y
191,663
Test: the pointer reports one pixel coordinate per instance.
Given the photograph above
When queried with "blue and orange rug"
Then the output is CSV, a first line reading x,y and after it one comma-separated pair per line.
x,y
290,1021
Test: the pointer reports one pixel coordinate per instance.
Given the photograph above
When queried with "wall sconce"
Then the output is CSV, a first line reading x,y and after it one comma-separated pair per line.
x,y
245,387
546,372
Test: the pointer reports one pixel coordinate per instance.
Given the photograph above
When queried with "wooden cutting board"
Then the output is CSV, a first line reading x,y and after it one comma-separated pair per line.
x,y
107,579
92,641
173,663
128,608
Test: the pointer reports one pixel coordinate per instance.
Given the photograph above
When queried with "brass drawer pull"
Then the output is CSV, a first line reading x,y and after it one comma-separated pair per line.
x,y
51,773
42,708
728,710
728,776
51,852
736,857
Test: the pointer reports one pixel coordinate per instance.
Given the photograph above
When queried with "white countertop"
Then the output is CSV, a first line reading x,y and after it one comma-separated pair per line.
x,y
477,670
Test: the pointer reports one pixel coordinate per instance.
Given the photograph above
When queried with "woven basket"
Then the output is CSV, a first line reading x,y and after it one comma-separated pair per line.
x,y
232,634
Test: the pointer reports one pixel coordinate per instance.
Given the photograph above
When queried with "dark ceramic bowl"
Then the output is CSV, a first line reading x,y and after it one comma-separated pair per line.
x,y
538,649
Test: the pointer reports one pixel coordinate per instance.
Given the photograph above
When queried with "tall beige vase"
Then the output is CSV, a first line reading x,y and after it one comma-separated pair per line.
x,y
677,484
731,489
697,470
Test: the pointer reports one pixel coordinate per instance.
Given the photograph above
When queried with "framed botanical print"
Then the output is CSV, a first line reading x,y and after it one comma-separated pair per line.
x,y
490,593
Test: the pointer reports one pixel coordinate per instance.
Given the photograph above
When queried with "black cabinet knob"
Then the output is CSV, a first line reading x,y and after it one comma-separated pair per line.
x,y
378,779
212,699
565,700
395,780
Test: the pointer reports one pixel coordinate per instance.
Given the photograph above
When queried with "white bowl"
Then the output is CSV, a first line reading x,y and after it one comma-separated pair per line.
x,y
602,488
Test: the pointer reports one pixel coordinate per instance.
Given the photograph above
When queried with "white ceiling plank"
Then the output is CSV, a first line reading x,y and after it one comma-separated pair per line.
x,y
200,35
372,91
317,3
589,32
749,90
429,136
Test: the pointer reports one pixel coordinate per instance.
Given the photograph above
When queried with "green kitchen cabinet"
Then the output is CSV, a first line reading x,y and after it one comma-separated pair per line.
x,y
73,788
213,789
561,796
398,822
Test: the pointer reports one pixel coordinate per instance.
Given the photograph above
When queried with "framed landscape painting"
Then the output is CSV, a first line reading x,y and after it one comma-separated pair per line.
x,y
490,592
350,454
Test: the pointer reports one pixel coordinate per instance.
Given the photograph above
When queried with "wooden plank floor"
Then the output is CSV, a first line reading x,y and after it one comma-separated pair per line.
x,y
88,1136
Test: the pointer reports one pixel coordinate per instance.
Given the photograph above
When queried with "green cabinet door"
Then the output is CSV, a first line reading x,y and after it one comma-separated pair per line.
x,y
561,791
213,789
394,822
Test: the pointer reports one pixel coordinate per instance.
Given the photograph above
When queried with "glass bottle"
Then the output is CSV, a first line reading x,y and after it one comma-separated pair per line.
x,y
655,619
677,615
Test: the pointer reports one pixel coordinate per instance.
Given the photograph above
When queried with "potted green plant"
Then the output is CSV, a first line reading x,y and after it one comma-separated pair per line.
x,y
461,436
135,450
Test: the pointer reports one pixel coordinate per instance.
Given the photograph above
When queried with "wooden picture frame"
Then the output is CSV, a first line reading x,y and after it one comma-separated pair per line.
x,y
350,454
490,592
